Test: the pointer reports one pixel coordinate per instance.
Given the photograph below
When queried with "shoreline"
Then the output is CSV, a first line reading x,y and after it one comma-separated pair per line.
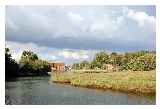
x,y
138,83
105,89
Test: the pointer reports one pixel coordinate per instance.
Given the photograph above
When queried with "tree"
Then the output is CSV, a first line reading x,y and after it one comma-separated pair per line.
x,y
94,64
11,66
102,58
84,65
113,58
139,61
136,61
29,55
119,59
145,63
30,64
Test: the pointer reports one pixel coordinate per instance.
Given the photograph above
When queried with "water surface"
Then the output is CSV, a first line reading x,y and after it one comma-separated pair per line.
x,y
39,91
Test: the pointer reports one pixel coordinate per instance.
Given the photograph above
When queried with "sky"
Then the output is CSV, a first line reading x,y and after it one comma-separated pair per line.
x,y
75,33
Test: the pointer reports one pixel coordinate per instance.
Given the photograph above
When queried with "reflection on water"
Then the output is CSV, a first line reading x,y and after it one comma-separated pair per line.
x,y
38,91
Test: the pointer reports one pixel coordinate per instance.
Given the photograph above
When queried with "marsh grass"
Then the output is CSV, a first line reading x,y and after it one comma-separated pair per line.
x,y
132,81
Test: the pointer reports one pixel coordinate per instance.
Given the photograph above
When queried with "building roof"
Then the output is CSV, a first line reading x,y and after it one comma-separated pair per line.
x,y
57,62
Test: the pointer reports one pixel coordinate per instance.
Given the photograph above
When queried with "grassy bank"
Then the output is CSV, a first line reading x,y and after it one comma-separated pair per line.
x,y
134,82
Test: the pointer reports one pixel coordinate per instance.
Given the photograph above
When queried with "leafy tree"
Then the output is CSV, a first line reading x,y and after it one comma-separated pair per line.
x,y
139,61
119,60
30,64
29,55
101,57
145,63
113,58
85,65
136,61
94,65
11,66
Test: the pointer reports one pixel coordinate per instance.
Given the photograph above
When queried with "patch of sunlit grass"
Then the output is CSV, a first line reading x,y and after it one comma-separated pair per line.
x,y
136,82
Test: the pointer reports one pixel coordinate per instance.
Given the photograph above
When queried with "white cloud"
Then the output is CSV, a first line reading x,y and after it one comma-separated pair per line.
x,y
75,17
141,18
77,55
17,48
46,53
86,27
53,57
85,57
16,55
65,54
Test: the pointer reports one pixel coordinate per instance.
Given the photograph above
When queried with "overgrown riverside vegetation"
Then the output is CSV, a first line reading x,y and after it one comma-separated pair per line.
x,y
29,65
139,82
136,72
135,61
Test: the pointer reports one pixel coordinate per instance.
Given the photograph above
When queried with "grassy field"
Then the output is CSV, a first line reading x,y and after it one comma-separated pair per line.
x,y
132,81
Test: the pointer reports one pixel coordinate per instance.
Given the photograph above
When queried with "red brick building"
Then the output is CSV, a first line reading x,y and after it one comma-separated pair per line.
x,y
57,66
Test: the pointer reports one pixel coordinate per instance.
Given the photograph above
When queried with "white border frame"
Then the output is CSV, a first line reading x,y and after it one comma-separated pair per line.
x,y
76,2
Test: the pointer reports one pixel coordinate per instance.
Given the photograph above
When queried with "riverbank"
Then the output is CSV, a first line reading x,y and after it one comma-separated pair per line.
x,y
34,89
132,81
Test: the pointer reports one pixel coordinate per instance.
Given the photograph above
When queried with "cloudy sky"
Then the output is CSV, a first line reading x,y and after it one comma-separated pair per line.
x,y
73,33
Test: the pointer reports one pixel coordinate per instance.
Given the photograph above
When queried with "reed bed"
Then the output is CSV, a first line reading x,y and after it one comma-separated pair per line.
x,y
140,82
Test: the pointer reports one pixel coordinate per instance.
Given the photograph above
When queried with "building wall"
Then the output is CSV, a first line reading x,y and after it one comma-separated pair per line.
x,y
109,67
57,66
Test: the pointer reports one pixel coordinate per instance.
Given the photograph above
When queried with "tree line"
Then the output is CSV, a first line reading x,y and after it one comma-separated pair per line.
x,y
135,61
29,65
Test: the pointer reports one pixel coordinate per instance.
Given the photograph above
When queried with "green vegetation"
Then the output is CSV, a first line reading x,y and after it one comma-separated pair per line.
x,y
136,72
11,66
140,82
134,61
29,65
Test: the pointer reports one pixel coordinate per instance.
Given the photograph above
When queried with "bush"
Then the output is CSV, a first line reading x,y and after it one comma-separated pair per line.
x,y
31,65
136,61
11,67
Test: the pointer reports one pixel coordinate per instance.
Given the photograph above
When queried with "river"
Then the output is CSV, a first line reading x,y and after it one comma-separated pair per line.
x,y
39,91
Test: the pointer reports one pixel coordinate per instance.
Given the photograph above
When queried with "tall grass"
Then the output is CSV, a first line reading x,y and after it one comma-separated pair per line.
x,y
135,82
